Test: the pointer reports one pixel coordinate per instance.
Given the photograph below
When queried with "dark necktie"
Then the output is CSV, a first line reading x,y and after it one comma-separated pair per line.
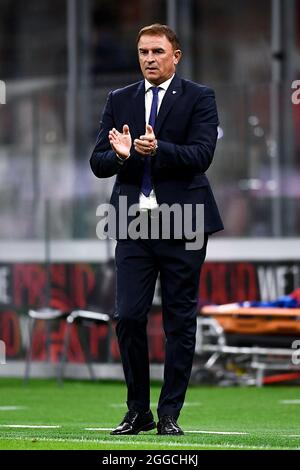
x,y
146,187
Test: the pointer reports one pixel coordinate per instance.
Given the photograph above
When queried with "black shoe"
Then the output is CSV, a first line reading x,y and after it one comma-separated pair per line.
x,y
167,425
135,422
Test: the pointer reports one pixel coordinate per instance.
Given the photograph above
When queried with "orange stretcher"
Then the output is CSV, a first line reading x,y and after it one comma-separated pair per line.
x,y
255,320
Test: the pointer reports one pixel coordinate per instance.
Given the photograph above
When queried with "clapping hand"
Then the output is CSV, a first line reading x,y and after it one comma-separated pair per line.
x,y
147,143
121,142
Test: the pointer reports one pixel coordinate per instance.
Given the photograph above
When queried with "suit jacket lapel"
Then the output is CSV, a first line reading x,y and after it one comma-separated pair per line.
x,y
139,109
172,94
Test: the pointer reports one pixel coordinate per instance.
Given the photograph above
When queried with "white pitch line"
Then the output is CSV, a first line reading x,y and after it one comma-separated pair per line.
x,y
136,443
196,403
153,405
98,429
230,433
289,402
28,426
191,432
12,408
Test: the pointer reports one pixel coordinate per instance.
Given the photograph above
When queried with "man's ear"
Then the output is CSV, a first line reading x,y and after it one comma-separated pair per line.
x,y
177,56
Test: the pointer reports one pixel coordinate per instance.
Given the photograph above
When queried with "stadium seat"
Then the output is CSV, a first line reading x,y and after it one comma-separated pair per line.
x,y
47,314
88,318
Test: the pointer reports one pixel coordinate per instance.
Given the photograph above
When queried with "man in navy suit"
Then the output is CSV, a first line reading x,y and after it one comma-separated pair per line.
x,y
158,136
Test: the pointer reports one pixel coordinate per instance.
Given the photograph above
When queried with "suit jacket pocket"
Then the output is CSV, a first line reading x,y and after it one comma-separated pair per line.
x,y
199,181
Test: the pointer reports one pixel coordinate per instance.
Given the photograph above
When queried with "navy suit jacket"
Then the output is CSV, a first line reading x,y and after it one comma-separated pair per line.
x,y
186,131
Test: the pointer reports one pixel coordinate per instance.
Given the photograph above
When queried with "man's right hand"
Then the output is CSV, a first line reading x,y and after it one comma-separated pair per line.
x,y
121,142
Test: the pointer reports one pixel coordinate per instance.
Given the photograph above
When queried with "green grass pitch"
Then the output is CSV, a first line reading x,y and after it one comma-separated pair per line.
x,y
213,418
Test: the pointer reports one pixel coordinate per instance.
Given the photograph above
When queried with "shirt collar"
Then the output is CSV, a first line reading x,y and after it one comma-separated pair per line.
x,y
163,85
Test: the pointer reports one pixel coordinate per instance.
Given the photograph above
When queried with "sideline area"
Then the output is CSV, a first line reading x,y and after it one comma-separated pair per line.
x,y
80,414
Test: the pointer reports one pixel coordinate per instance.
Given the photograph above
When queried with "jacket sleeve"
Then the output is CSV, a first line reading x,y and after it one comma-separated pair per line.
x,y
104,161
197,153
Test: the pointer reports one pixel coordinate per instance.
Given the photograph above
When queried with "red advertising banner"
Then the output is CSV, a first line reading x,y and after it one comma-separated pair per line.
x,y
70,286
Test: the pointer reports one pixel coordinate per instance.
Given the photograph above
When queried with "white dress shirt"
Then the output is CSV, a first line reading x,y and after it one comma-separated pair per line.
x,y
150,202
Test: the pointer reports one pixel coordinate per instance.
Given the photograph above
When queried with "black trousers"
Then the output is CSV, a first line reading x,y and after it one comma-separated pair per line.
x,y
138,263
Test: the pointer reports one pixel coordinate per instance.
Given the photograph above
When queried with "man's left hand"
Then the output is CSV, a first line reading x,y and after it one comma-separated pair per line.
x,y
147,143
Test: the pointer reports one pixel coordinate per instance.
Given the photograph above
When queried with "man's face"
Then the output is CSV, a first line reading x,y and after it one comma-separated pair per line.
x,y
157,58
